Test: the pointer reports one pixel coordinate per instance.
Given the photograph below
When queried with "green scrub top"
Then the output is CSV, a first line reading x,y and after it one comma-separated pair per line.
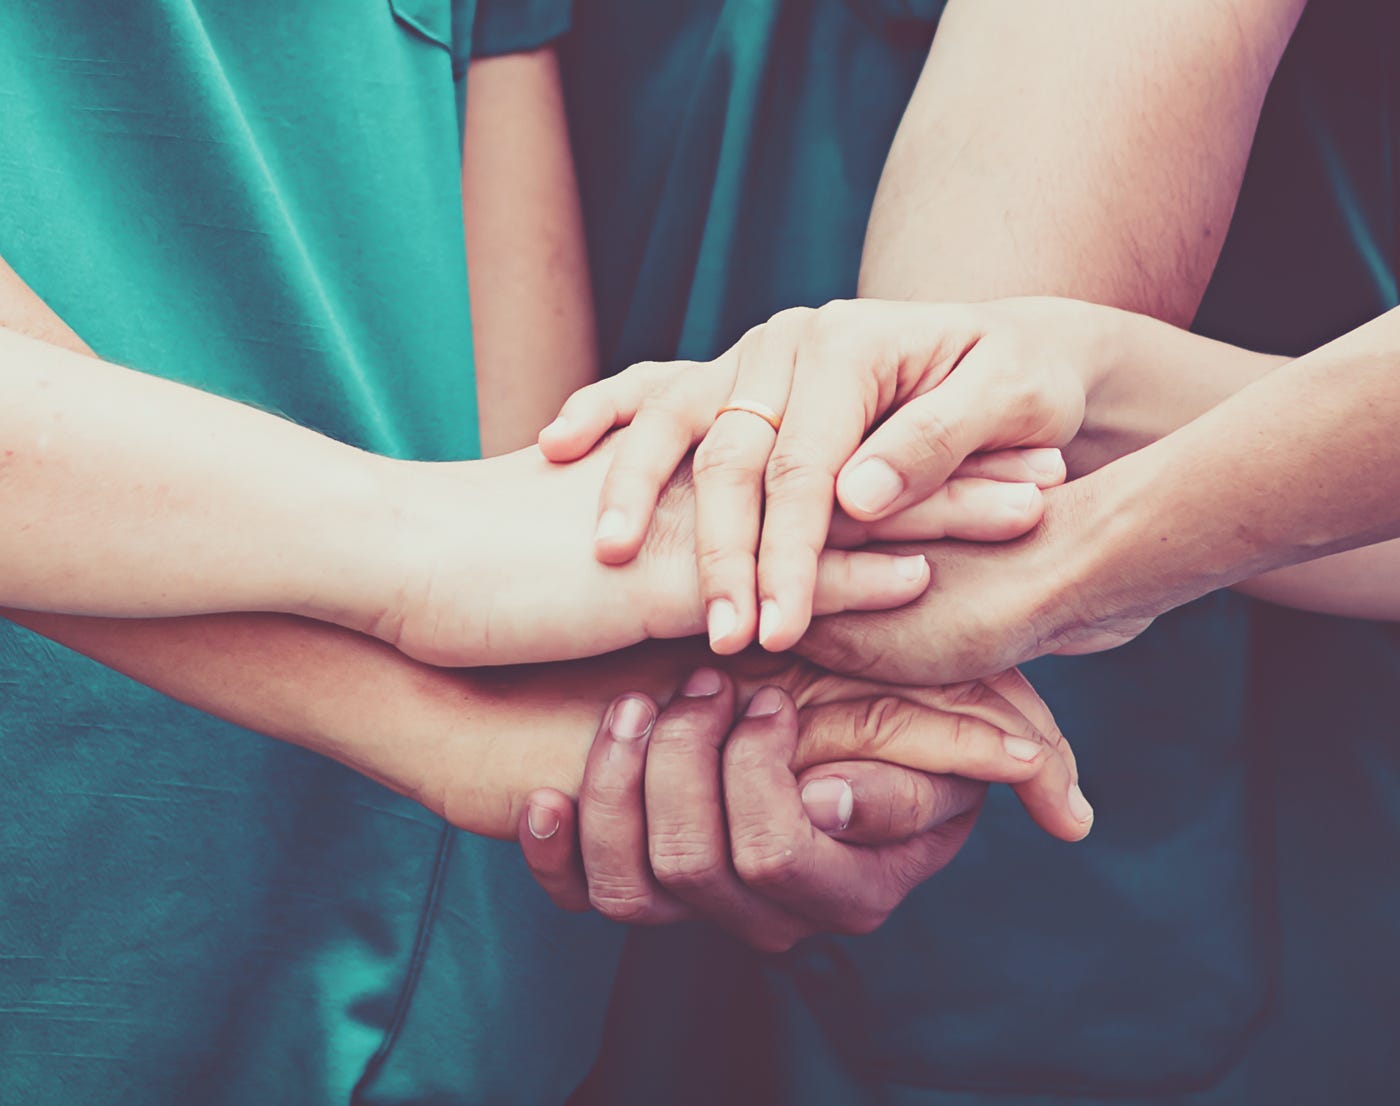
x,y
1225,935
260,198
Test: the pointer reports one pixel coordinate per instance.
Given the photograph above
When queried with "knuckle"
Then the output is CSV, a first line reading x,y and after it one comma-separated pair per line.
x,y
885,721
611,795
793,320
666,411
723,456
792,469
720,564
768,861
932,439
621,904
685,861
904,814
837,316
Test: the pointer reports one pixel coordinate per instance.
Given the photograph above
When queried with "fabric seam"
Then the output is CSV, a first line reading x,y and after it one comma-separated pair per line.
x,y
415,964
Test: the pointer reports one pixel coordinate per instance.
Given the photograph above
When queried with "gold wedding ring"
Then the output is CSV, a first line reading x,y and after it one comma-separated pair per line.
x,y
751,407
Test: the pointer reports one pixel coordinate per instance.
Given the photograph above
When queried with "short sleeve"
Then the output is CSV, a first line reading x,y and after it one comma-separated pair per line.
x,y
511,26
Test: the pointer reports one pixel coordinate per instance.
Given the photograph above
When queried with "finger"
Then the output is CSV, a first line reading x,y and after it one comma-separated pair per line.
x,y
548,834
1053,797
971,509
856,581
832,402
1045,468
592,411
776,850
663,431
968,731
922,444
612,819
688,837
868,802
728,477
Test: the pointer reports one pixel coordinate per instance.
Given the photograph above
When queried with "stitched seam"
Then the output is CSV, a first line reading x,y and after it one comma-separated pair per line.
x,y
415,963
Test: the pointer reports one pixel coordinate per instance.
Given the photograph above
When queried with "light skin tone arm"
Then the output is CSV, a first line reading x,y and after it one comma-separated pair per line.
x,y
127,495
1089,149
532,308
1112,179
945,383
437,736
1309,453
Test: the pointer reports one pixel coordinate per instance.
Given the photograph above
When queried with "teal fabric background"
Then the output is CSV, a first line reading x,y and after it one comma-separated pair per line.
x,y
1175,955
262,199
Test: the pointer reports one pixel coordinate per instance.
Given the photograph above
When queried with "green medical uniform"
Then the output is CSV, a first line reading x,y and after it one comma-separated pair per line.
x,y
1226,934
260,198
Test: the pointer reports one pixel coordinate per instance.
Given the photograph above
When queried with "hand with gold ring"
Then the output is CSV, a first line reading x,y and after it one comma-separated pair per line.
x,y
777,417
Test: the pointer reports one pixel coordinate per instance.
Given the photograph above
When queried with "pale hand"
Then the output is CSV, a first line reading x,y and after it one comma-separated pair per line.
x,y
961,389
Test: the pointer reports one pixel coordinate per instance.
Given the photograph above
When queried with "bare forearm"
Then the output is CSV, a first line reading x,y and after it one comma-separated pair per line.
x,y
1298,465
1111,179
467,745
125,494
532,308
1152,380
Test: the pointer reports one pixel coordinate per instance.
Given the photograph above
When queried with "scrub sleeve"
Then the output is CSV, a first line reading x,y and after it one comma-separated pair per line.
x,y
728,153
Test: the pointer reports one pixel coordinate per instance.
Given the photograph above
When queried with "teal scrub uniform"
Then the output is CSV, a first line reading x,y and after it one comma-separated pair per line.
x,y
260,198
1226,934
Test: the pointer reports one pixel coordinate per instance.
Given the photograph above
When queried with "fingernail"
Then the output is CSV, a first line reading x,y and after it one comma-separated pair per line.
x,y
1020,748
769,615
722,620
910,568
1017,498
872,486
631,720
1049,463
768,701
829,803
543,822
612,524
558,426
1079,805
703,683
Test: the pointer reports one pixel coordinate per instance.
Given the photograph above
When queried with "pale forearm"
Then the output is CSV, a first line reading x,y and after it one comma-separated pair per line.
x,y
1296,466
1360,583
126,494
467,745
1111,179
532,308
1152,380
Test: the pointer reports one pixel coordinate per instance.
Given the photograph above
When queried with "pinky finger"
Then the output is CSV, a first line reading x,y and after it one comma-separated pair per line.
x,y
1045,468
848,581
548,833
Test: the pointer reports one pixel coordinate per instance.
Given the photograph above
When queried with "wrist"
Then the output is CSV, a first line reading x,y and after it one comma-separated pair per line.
x,y
1126,554
1113,348
354,556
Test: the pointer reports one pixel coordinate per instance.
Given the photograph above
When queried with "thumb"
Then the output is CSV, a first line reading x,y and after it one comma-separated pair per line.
x,y
869,802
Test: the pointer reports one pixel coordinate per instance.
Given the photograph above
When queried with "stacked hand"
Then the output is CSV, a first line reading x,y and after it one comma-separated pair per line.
x,y
791,819
957,387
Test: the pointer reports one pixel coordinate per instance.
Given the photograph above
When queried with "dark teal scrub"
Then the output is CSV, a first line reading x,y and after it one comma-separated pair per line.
x,y
262,198
1227,933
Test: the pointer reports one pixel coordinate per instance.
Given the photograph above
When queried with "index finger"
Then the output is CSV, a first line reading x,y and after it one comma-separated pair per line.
x,y
776,849
823,425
